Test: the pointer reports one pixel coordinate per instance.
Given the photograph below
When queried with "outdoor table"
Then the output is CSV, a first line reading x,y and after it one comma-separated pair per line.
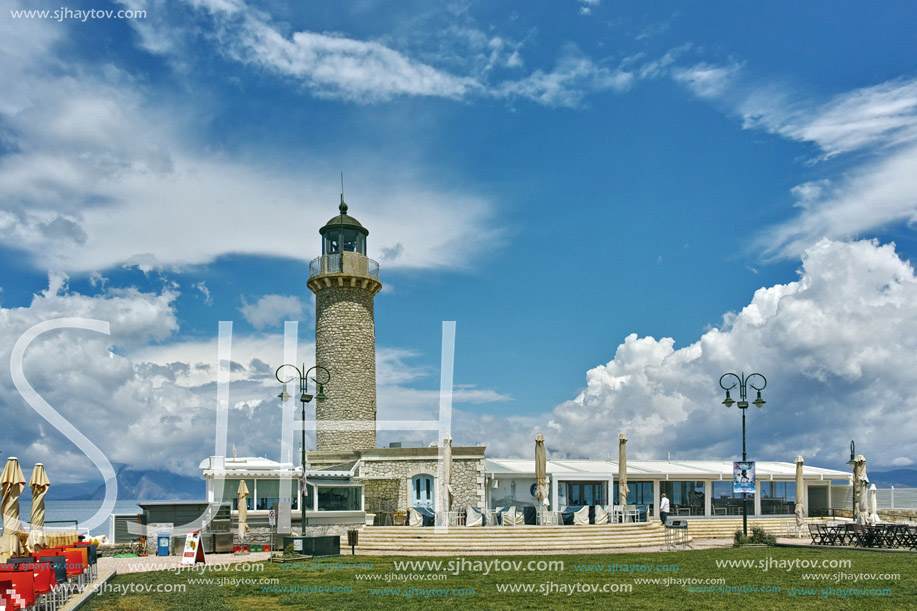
x,y
833,534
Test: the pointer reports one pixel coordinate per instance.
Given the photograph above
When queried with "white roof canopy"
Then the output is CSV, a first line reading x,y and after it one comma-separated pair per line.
x,y
656,469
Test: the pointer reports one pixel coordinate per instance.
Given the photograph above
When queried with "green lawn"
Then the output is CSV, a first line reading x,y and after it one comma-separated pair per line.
x,y
361,586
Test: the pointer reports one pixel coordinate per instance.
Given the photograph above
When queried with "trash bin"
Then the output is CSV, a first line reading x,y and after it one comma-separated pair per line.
x,y
353,538
163,543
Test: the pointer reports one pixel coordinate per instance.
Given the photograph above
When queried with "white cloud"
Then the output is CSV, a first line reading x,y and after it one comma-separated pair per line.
x,y
333,65
837,347
101,173
706,80
879,123
271,310
202,287
567,84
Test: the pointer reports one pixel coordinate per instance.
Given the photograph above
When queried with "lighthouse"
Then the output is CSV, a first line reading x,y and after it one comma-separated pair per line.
x,y
345,282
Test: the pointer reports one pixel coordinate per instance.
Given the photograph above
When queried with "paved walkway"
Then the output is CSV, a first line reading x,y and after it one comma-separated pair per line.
x,y
144,564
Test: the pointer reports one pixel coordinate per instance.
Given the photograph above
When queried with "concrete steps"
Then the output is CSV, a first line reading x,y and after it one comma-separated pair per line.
x,y
496,540
509,540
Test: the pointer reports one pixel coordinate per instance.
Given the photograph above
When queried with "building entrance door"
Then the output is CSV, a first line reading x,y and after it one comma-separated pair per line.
x,y
422,487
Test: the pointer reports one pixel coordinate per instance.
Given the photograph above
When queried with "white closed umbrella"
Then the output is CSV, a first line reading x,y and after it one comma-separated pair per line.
x,y
623,490
800,510
873,505
862,491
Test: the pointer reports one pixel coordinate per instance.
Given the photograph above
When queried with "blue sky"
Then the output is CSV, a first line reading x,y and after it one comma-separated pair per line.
x,y
552,177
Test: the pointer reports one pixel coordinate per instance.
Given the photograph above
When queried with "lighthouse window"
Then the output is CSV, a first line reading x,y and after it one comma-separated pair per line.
x,y
353,241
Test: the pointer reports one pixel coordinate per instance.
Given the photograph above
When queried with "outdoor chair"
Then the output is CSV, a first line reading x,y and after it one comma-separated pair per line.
x,y
547,517
601,516
21,590
818,534
6,594
617,514
415,520
901,535
860,536
581,516
473,516
508,517
912,537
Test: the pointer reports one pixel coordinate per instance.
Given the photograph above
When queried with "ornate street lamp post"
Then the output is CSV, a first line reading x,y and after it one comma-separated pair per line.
x,y
743,381
304,397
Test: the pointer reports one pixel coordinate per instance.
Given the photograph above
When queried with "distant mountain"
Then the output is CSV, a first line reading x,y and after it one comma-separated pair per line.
x,y
899,478
148,485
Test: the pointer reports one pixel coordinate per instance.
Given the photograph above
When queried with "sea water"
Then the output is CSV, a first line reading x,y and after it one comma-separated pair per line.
x,y
76,510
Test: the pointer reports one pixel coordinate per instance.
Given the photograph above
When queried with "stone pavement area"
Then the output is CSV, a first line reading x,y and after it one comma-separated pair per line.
x,y
144,564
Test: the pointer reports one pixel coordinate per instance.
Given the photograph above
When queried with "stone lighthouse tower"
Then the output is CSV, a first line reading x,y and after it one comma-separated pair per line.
x,y
345,283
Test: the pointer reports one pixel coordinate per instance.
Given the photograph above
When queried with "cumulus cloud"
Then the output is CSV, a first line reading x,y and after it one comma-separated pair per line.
x,y
98,172
837,347
271,310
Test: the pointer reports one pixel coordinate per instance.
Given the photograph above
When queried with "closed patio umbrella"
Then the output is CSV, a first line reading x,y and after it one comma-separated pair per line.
x,y
39,485
862,486
541,475
447,474
12,482
243,510
541,470
623,490
873,505
800,497
859,470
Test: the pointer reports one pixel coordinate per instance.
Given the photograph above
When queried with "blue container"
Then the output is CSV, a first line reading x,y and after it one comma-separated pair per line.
x,y
163,544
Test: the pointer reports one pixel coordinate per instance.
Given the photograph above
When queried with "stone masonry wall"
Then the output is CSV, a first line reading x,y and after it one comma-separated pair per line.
x,y
467,480
345,344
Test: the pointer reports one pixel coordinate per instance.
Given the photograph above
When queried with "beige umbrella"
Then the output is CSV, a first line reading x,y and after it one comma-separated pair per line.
x,y
800,497
12,482
39,485
541,474
446,487
860,506
873,505
855,486
623,490
243,510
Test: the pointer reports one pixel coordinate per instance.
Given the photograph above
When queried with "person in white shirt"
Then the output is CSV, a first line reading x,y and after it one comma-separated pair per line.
x,y
663,508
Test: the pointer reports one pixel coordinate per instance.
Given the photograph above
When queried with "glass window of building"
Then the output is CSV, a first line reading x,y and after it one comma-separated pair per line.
x,y
686,498
231,493
585,493
639,493
778,497
343,498
725,502
268,494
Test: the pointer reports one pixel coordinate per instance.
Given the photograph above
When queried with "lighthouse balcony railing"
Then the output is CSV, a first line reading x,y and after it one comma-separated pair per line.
x,y
351,263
